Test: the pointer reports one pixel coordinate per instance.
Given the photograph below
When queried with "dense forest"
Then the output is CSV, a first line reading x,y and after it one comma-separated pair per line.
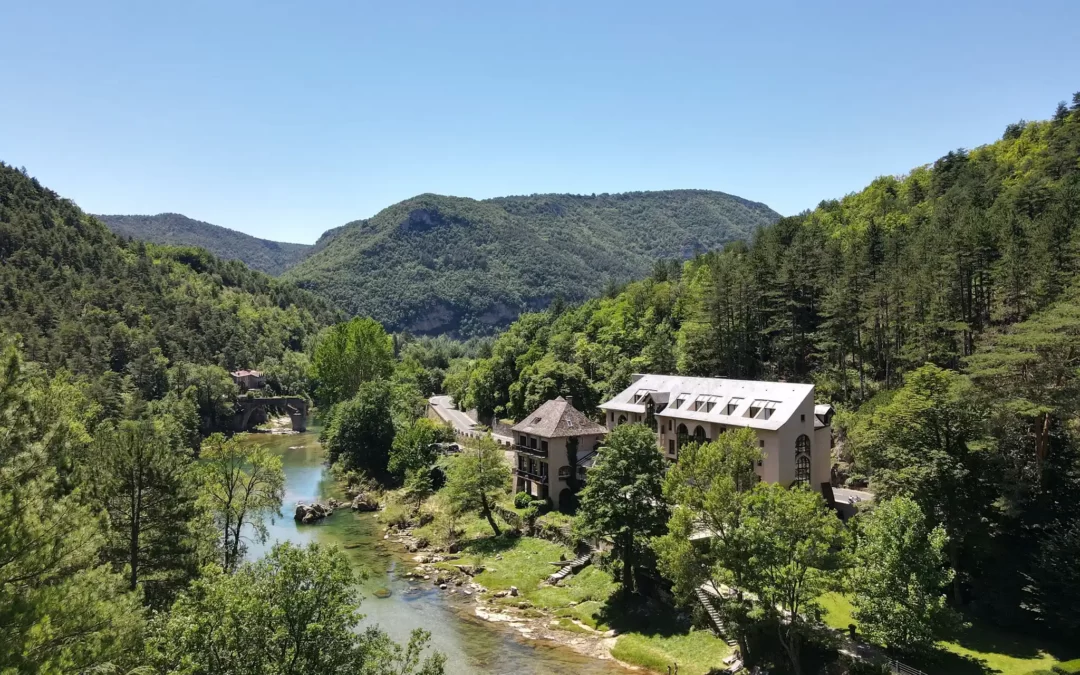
x,y
963,271
435,264
125,516
87,301
174,229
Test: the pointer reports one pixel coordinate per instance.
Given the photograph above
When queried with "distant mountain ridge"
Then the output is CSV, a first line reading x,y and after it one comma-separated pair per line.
x,y
272,257
436,264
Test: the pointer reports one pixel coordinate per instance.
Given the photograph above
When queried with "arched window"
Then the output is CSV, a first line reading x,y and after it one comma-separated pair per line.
x,y
802,445
699,434
622,420
650,414
683,435
802,470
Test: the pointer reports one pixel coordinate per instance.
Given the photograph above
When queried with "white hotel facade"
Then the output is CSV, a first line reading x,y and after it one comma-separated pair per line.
x,y
794,434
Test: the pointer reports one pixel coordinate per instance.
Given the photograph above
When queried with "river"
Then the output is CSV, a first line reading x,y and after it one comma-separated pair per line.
x,y
470,644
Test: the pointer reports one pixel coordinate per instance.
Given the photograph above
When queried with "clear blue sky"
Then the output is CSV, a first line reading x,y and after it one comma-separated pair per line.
x,y
283,120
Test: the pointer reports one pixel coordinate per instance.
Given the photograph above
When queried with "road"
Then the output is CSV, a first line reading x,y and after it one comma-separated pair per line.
x,y
445,408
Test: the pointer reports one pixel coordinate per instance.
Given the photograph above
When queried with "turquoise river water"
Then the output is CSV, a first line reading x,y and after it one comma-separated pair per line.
x,y
470,644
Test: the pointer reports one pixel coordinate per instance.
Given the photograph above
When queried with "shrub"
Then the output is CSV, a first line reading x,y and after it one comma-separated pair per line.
x,y
395,515
542,506
522,499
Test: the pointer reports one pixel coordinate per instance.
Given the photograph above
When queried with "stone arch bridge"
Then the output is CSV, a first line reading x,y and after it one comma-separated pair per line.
x,y
253,411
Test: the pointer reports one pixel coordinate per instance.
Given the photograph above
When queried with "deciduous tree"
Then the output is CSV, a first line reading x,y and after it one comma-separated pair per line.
x,y
623,496
898,573
242,485
476,479
350,354
361,430
293,612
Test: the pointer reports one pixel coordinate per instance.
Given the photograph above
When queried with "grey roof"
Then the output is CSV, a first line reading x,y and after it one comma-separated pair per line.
x,y
558,419
783,397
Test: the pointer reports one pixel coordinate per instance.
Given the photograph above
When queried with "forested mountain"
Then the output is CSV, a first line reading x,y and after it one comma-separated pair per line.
x,y
436,264
272,257
969,264
88,301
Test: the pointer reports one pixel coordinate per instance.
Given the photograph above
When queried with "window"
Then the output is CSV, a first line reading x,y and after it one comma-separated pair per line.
x,y
802,418
802,470
640,395
699,434
679,401
683,435
522,440
622,420
671,447
705,403
611,416
650,414
522,463
761,409
543,469
532,443
564,472
732,404
802,445
669,425
543,446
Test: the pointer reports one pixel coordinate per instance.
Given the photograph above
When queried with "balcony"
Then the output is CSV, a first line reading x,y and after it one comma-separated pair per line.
x,y
535,477
533,452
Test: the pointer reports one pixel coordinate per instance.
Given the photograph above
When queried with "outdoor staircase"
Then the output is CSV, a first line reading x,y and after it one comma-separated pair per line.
x,y
714,617
569,567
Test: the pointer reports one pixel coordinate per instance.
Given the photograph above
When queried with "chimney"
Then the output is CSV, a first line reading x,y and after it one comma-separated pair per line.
x,y
569,401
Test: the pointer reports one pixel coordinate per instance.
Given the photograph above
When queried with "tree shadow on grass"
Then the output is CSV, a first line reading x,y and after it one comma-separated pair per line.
x,y
986,639
489,545
943,662
630,612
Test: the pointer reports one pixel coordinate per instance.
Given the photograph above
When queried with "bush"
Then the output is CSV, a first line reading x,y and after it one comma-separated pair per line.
x,y
395,515
522,500
542,506
1068,667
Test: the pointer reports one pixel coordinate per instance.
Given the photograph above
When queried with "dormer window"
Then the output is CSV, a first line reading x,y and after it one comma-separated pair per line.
x,y
680,401
536,420
733,403
705,403
640,395
761,409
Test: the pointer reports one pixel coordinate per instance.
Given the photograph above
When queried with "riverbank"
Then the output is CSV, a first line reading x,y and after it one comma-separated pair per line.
x,y
504,580
398,604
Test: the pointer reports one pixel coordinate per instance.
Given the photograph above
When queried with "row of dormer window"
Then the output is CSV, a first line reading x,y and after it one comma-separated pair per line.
x,y
760,409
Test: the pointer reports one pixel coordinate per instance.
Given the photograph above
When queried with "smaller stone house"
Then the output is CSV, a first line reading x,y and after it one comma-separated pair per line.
x,y
248,379
552,447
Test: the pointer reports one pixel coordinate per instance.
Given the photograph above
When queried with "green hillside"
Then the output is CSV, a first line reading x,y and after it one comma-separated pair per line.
x,y
436,264
272,257
86,300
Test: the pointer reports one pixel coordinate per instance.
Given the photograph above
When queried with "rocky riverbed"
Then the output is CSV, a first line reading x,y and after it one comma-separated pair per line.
x,y
440,569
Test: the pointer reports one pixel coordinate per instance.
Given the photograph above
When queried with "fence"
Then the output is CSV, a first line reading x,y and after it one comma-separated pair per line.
x,y
903,669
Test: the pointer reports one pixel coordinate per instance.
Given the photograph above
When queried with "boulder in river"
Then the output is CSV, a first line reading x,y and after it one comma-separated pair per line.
x,y
309,513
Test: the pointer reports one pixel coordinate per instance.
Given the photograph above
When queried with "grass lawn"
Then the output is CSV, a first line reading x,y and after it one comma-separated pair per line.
x,y
650,636
977,650
697,652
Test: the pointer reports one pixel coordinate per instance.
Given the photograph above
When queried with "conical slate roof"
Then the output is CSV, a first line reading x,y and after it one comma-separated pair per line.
x,y
558,419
